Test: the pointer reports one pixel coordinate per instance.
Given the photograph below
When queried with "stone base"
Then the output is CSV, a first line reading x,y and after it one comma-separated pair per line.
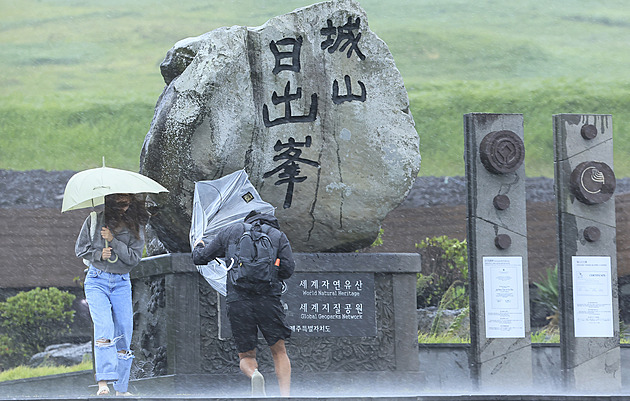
x,y
180,329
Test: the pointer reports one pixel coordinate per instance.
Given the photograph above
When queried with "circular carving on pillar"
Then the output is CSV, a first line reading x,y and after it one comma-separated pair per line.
x,y
502,241
501,202
593,182
502,152
588,131
592,234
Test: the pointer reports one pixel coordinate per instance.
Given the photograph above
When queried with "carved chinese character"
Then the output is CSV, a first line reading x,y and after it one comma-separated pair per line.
x,y
290,169
293,55
349,96
287,98
345,37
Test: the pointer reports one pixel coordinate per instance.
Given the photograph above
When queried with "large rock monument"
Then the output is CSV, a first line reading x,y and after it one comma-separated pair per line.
x,y
310,104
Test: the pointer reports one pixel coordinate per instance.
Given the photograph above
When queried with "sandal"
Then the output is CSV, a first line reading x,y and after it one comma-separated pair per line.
x,y
103,391
125,394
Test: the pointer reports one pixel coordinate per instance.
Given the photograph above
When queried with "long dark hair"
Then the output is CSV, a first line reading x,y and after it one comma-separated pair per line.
x,y
116,218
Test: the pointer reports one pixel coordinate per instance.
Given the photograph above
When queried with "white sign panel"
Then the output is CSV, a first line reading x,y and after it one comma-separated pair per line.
x,y
503,295
592,296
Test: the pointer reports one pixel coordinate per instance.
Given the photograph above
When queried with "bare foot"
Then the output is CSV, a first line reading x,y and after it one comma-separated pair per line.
x,y
103,390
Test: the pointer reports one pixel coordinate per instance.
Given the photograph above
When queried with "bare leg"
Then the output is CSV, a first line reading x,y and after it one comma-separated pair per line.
x,y
248,362
283,367
249,366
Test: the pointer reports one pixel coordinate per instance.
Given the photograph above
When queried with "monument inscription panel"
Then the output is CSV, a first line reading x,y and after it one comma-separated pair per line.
x,y
325,304
331,304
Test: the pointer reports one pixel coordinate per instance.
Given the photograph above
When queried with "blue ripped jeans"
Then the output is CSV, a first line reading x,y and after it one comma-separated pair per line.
x,y
109,298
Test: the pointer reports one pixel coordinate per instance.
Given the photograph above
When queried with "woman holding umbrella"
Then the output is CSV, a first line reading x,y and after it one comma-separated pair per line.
x,y
111,244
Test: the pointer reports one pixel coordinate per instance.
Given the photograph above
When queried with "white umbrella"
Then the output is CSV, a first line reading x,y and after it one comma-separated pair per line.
x,y
88,188
217,204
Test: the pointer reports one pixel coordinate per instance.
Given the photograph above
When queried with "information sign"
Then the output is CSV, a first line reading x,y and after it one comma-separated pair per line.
x,y
503,296
592,296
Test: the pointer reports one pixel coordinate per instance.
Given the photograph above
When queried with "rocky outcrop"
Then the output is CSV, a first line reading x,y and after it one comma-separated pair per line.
x,y
310,104
61,355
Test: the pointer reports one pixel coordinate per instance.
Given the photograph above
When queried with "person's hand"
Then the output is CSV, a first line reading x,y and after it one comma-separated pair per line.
x,y
107,253
107,234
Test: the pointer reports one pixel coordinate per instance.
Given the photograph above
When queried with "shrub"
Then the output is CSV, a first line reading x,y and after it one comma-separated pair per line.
x,y
35,319
444,269
548,296
11,353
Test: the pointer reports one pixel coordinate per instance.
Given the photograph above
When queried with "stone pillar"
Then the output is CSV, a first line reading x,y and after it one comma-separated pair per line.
x,y
500,350
587,265
166,316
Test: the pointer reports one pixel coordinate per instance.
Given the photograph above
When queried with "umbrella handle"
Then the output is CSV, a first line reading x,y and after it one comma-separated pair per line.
x,y
109,260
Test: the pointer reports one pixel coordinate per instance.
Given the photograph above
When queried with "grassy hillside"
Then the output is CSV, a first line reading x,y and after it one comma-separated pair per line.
x,y
81,77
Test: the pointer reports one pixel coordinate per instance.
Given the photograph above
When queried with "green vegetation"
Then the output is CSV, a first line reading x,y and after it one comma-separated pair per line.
x,y
444,278
549,296
80,79
424,338
24,372
31,321
543,336
444,283
379,239
11,352
547,335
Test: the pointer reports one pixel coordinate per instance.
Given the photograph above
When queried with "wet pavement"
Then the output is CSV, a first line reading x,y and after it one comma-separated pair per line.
x,y
427,397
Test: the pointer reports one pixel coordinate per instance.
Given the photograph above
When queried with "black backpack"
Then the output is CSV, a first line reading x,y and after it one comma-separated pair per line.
x,y
255,255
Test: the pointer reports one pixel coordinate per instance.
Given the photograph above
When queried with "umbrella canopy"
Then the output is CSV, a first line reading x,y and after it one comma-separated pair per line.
x,y
88,188
221,202
217,204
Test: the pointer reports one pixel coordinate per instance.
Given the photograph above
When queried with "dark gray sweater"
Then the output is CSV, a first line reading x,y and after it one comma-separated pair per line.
x,y
126,248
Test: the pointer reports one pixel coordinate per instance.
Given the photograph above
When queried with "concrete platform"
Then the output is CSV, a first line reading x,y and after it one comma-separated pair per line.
x,y
357,387
427,397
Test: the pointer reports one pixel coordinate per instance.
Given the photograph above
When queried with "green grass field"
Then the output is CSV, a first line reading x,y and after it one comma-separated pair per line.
x,y
81,78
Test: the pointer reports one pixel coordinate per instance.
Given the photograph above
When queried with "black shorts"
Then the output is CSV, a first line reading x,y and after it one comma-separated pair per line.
x,y
259,312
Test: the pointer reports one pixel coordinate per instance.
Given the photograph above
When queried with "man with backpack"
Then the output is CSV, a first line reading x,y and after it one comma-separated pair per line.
x,y
258,256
